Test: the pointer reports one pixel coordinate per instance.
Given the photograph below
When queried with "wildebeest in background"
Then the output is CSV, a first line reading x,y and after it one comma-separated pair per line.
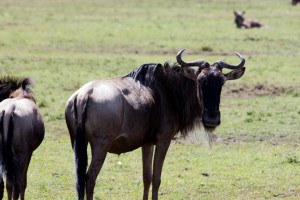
x,y
21,132
241,22
294,2
147,107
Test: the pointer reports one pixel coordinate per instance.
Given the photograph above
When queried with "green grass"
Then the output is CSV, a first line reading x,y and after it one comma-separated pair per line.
x,y
64,44
254,170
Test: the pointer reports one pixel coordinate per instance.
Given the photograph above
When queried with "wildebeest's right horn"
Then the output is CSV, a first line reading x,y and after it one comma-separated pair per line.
x,y
198,63
228,66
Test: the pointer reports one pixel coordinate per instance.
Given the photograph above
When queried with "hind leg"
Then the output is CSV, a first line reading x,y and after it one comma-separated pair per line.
x,y
20,174
9,187
16,178
1,187
23,176
9,183
98,157
16,191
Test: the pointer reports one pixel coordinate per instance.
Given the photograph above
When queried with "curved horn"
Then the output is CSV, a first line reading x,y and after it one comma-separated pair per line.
x,y
198,63
228,66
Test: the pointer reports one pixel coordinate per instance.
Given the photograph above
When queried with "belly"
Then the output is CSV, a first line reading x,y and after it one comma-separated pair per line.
x,y
124,143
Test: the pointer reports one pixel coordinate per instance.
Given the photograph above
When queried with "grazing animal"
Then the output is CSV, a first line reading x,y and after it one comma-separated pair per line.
x,y
294,2
145,108
241,22
21,132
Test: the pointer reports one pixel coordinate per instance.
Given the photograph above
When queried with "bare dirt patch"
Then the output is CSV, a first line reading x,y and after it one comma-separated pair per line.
x,y
245,90
243,138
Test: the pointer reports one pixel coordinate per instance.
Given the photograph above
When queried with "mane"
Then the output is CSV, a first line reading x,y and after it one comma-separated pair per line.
x,y
145,74
173,91
9,84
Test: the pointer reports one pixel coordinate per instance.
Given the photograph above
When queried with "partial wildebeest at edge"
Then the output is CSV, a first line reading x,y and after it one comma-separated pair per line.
x,y
294,2
145,108
21,132
241,22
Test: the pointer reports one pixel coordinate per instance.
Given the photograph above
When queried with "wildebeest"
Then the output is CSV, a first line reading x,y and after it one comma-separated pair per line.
x,y
294,2
21,132
145,108
241,22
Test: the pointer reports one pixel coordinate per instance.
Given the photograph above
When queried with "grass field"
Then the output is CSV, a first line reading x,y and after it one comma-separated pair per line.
x,y
64,44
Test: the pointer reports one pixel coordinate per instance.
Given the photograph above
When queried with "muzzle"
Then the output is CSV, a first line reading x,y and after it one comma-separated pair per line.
x,y
211,119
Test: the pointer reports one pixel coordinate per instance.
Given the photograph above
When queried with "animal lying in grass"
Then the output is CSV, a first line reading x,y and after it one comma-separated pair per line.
x,y
241,22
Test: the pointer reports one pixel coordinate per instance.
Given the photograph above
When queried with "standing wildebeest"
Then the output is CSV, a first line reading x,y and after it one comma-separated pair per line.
x,y
241,22
294,2
147,107
21,132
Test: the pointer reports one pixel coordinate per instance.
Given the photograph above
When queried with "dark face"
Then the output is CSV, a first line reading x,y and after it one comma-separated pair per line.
x,y
239,19
211,81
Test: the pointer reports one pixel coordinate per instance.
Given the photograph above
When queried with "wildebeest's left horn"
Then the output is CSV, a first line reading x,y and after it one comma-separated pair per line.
x,y
198,63
228,66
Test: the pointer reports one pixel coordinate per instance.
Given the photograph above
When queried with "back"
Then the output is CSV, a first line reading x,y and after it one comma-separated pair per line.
x,y
27,120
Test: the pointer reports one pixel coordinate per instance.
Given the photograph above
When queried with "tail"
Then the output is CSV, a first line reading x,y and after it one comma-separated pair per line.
x,y
80,144
6,131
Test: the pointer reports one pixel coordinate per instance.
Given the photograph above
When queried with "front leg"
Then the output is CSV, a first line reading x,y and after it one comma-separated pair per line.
x,y
147,154
159,157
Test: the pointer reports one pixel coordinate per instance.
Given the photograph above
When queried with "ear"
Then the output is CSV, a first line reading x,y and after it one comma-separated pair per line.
x,y
27,82
189,73
235,74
